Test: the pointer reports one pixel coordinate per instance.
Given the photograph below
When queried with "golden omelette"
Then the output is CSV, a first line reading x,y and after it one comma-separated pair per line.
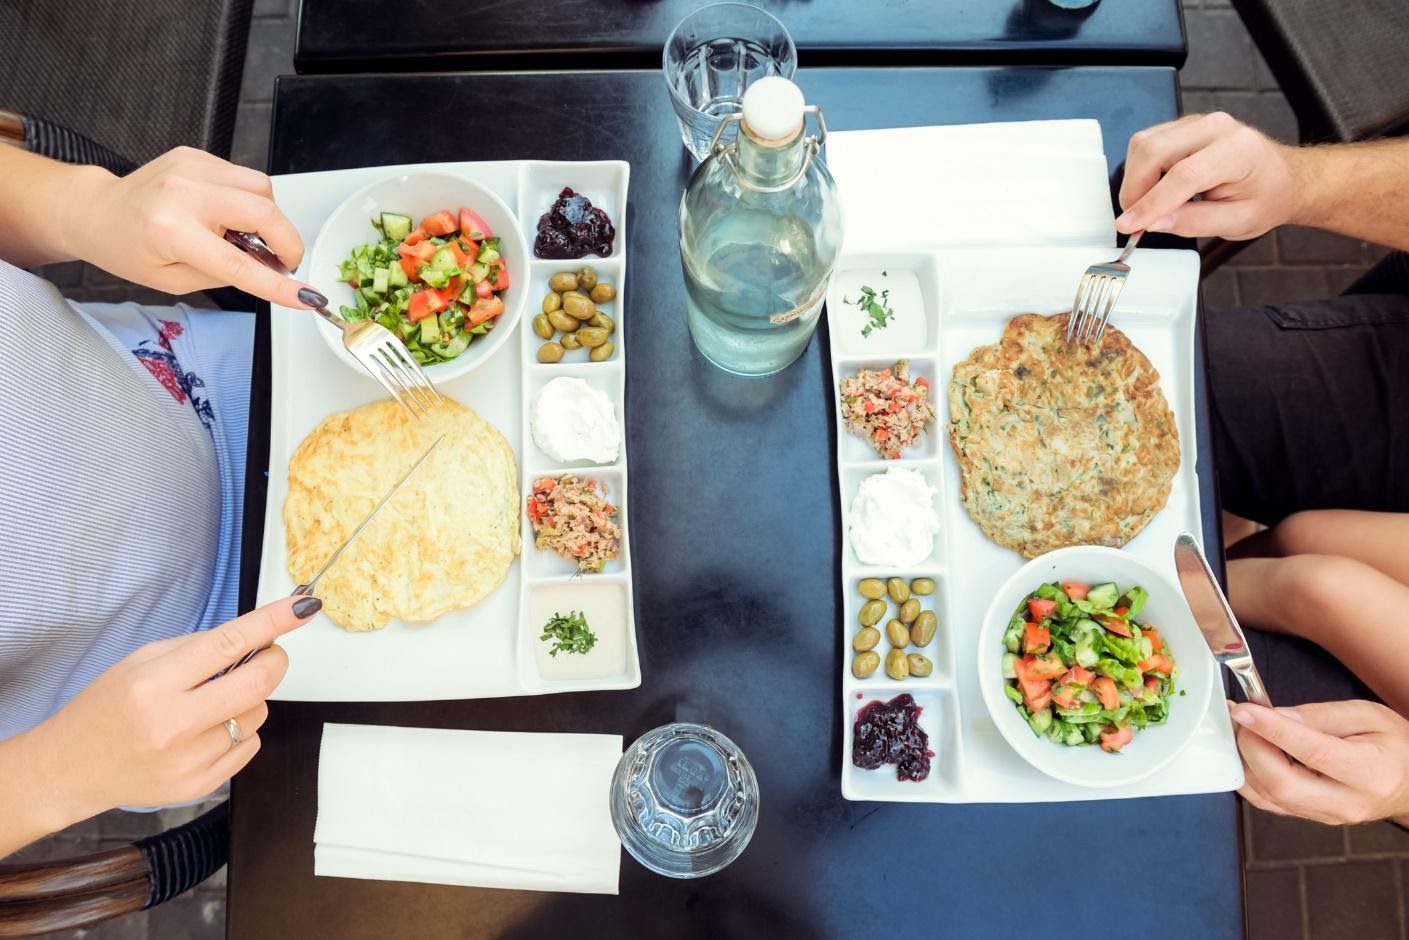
x,y
445,541
1060,445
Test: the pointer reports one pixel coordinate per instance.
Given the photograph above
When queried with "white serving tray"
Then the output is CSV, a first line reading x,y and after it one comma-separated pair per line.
x,y
968,297
486,650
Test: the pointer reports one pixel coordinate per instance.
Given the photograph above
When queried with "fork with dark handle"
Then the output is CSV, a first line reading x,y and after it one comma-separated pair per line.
x,y
378,350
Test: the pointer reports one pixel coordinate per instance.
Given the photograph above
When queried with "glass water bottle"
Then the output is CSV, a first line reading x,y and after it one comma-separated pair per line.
x,y
760,229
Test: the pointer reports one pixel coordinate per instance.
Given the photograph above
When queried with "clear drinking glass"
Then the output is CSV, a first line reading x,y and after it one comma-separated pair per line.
x,y
684,800
711,58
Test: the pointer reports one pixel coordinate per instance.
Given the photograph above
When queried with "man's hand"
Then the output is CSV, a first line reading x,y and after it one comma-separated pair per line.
x,y
1334,762
1245,182
163,226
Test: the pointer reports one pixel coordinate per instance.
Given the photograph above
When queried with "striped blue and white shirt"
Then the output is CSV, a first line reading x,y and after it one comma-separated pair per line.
x,y
121,480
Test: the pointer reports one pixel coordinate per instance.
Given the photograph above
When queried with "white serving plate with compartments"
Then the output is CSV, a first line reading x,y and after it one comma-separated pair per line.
x,y
489,649
967,296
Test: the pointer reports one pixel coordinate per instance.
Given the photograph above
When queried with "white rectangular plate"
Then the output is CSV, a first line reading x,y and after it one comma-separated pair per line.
x,y
968,297
487,650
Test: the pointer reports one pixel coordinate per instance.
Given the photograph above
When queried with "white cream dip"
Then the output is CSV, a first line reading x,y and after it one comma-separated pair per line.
x,y
893,520
571,421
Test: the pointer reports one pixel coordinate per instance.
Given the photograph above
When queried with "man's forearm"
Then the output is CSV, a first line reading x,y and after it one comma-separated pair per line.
x,y
1360,190
38,197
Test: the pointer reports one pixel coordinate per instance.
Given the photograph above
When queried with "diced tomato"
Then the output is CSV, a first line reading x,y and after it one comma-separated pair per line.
x,y
1104,687
1041,608
1076,590
922,382
1152,683
484,290
485,309
870,407
439,223
1116,625
1033,688
1113,738
1077,674
1121,611
414,237
881,434
425,303
1044,667
1041,703
1036,639
1156,641
1066,696
470,246
448,293
472,225
501,276
1157,663
408,264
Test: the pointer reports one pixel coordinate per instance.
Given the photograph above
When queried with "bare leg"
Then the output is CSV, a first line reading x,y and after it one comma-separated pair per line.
x,y
1379,539
1236,528
1345,606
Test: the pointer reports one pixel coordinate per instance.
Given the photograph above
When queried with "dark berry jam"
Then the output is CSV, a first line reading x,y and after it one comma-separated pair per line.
x,y
573,228
890,733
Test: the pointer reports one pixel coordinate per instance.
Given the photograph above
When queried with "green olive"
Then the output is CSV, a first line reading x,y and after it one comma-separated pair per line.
x,y
542,327
897,590
898,634
865,664
605,322
586,277
604,293
924,627
910,610
601,353
871,613
570,341
922,586
554,301
592,335
561,321
565,281
872,589
919,665
578,305
865,639
550,352
897,666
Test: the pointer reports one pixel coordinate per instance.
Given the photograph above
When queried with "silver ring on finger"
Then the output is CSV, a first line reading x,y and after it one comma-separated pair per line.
x,y
232,728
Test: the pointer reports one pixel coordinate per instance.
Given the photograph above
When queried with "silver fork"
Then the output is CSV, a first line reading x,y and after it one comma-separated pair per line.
x,y
1096,294
377,348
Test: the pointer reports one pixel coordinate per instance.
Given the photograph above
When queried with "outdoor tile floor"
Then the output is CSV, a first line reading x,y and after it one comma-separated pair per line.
x,y
1304,880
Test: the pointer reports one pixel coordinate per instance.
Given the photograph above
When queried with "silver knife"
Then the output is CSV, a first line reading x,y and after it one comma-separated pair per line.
x,y
307,588
1215,618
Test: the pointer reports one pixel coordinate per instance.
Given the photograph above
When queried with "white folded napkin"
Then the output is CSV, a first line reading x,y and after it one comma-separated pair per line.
x,y
485,808
973,185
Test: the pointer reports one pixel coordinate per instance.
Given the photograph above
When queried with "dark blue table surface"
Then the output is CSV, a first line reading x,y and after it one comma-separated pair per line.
x,y
421,35
735,538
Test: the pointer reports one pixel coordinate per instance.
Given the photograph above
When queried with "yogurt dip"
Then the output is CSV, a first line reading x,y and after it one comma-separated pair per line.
x,y
572,421
893,520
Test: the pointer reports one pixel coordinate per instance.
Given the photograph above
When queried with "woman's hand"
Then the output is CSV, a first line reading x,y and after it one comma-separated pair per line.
x,y
163,226
1246,182
151,730
1334,762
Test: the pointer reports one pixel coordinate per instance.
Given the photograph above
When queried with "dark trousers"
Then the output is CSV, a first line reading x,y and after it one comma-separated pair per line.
x,y
1310,410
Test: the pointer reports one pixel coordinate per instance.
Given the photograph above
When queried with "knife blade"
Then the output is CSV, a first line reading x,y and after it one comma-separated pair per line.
x,y
307,587
1215,618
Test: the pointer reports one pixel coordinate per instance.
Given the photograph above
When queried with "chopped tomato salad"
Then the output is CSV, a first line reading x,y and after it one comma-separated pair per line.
x,y
437,286
1081,669
886,408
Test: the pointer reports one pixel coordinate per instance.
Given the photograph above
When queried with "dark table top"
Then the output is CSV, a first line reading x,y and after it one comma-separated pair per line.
x,y
718,594
421,35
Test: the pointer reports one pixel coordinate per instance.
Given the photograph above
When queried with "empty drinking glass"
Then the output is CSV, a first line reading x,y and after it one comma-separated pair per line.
x,y
684,800
712,57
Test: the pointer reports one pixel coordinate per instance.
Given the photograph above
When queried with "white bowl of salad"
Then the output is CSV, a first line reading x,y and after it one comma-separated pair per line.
x,y
1092,667
436,258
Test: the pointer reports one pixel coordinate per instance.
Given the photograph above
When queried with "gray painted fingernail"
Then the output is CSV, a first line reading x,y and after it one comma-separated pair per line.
x,y
311,297
307,607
